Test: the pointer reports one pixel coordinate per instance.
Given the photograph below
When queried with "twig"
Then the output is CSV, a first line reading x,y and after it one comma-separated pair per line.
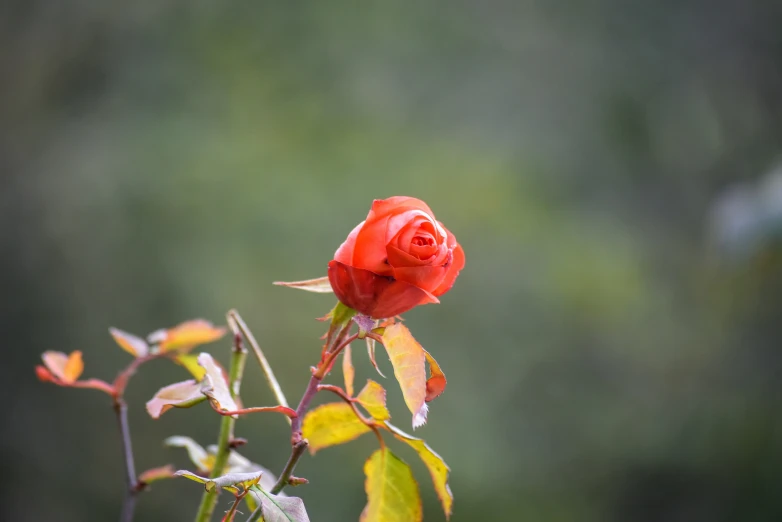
x,y
235,318
238,357
256,409
298,450
129,502
338,391
121,410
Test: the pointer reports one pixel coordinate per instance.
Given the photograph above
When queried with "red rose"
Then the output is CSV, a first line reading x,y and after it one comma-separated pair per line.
x,y
398,258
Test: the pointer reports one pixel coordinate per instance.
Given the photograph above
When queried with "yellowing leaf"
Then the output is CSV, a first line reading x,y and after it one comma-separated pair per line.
x,y
437,467
187,335
214,384
435,384
392,492
408,359
233,482
279,508
348,371
319,285
331,424
373,398
190,363
135,346
66,368
74,367
179,395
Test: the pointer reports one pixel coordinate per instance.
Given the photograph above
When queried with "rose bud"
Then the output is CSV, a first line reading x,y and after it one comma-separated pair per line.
x,y
398,258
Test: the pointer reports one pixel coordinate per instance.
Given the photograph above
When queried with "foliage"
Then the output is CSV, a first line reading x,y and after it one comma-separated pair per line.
x,y
392,491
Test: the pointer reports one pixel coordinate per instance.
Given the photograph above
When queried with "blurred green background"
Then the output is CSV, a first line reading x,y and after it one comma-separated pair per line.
x,y
613,345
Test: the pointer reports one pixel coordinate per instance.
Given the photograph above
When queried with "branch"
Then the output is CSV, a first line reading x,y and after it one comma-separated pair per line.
x,y
238,358
129,503
121,410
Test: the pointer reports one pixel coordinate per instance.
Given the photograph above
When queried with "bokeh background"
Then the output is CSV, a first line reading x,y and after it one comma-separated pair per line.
x,y
611,169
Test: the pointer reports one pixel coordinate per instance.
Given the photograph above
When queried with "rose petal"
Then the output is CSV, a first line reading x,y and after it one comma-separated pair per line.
x,y
369,252
373,295
344,253
421,276
452,271
381,207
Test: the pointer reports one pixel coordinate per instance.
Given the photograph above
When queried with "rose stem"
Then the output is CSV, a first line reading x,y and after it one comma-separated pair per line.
x,y
238,358
299,445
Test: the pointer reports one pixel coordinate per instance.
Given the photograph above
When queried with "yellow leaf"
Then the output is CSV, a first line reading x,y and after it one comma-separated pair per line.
x,y
190,363
233,482
409,361
348,371
185,336
437,467
373,398
135,346
392,492
331,424
66,368
74,367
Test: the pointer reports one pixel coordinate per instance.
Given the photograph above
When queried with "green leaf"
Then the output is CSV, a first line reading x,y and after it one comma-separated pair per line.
x,y
319,285
373,398
277,508
409,361
179,395
135,346
331,424
437,467
340,314
392,492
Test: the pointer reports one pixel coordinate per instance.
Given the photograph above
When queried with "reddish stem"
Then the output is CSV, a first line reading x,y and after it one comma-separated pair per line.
x,y
336,390
257,409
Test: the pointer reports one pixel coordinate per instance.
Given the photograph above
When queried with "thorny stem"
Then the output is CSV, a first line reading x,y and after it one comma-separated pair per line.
x,y
129,503
298,450
238,358
299,445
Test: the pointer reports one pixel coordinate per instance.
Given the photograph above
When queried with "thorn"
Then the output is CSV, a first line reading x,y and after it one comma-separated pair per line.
x,y
236,442
297,481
